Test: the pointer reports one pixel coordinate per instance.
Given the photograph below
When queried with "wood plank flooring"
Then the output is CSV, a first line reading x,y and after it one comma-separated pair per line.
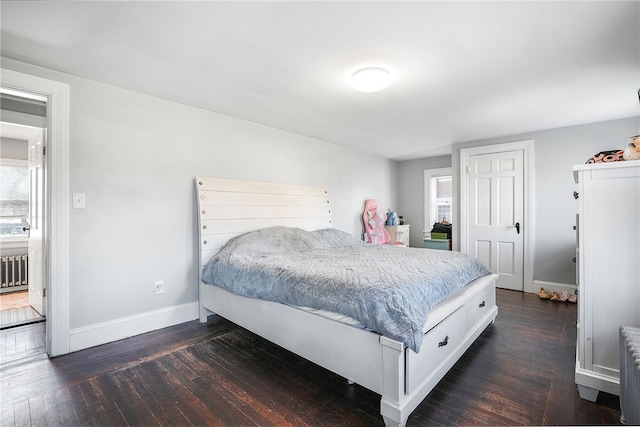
x,y
16,311
519,372
9,300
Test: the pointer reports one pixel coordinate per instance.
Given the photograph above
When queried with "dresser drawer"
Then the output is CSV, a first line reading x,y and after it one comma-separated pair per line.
x,y
479,305
439,343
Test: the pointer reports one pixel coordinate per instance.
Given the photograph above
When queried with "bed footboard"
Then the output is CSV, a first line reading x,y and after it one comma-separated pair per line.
x,y
460,322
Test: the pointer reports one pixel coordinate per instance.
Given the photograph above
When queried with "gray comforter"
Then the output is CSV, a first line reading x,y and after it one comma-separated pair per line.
x,y
388,289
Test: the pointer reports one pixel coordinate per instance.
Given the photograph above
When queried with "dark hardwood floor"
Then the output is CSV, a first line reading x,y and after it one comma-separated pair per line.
x,y
519,372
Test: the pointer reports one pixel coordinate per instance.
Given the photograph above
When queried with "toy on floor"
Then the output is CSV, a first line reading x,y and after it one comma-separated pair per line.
x,y
562,296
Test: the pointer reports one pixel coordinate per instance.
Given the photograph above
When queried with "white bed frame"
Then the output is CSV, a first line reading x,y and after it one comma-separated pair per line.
x,y
402,377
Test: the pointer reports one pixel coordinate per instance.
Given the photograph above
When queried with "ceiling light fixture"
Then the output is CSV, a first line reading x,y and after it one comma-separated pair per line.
x,y
371,79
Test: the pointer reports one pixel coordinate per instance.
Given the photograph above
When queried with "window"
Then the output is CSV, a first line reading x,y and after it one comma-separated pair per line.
x,y
441,197
14,197
438,196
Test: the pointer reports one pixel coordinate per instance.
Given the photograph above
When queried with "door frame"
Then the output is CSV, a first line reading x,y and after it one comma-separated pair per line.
x,y
526,147
56,253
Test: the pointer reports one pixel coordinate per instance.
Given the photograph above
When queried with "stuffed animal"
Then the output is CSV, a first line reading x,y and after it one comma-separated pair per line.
x,y
392,218
633,150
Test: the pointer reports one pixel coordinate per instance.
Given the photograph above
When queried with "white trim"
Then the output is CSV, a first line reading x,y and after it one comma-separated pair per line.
x,y
57,250
24,119
13,243
551,287
125,327
31,96
428,174
527,150
7,161
19,131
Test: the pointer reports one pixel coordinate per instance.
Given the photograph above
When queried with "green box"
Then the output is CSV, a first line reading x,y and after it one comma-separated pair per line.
x,y
439,236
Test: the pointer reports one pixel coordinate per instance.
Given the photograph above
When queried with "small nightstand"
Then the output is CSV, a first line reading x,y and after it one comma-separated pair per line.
x,y
398,233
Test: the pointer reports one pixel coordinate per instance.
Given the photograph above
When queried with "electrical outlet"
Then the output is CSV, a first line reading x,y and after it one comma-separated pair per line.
x,y
159,287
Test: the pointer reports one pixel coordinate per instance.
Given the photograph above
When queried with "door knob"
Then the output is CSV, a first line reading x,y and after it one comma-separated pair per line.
x,y
518,227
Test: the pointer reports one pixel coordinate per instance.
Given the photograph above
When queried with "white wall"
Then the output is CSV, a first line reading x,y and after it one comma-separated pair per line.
x,y
555,153
135,157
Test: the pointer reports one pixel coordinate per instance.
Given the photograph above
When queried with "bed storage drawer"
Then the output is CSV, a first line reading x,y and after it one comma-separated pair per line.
x,y
438,344
479,305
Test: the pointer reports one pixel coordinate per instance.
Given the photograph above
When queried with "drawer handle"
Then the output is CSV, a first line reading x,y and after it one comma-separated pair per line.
x,y
482,304
445,342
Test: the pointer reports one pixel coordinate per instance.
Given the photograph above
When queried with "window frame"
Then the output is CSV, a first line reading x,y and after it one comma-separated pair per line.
x,y
440,201
429,212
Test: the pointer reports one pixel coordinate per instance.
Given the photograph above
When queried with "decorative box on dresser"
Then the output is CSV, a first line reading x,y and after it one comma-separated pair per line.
x,y
399,233
608,270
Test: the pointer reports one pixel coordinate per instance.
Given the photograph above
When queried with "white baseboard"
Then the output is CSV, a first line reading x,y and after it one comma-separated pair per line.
x,y
551,287
114,330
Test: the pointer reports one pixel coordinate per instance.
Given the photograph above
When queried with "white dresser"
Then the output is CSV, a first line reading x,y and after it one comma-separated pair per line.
x,y
608,269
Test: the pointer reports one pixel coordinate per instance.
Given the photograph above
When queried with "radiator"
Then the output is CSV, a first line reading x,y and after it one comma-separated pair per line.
x,y
14,271
629,375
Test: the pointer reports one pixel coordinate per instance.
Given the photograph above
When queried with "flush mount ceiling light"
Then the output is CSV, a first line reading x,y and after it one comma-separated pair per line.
x,y
370,79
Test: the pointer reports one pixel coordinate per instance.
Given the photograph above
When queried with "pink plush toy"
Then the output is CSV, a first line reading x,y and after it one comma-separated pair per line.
x,y
374,224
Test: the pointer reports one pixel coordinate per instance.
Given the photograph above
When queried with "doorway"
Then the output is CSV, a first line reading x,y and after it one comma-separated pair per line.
x,y
56,248
495,212
22,195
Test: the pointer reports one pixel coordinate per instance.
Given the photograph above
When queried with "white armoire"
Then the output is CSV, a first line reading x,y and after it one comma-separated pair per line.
x,y
608,270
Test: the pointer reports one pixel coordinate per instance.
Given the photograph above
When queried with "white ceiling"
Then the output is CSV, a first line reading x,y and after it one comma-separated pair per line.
x,y
462,70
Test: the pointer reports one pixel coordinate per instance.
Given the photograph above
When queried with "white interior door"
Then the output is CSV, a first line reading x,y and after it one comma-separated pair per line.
x,y
36,222
496,214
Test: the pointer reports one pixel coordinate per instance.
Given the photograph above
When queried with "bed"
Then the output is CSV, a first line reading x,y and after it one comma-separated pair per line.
x,y
387,366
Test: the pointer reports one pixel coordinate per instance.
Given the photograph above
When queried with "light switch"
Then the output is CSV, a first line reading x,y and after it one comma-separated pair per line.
x,y
79,201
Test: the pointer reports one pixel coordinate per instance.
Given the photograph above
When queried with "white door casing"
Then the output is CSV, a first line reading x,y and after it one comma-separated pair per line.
x,y
57,207
37,225
496,221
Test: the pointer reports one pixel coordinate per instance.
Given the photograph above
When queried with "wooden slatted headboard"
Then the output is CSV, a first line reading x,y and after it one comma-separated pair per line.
x,y
227,208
